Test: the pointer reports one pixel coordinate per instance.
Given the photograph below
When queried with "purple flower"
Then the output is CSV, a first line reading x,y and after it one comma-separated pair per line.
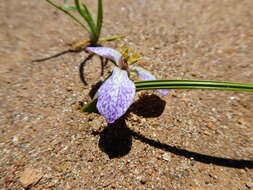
x,y
117,93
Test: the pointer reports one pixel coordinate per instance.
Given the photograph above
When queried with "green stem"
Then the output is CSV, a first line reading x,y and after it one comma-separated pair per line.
x,y
90,107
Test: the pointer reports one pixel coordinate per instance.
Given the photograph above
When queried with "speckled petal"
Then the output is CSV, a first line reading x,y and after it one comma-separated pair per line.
x,y
145,75
115,95
106,52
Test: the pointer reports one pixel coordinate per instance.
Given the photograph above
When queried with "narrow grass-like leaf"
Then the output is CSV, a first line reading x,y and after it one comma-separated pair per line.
x,y
193,84
108,39
89,20
70,7
99,17
69,14
92,22
184,84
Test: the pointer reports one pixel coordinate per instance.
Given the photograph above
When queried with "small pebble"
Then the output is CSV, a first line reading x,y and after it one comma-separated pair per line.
x,y
29,177
249,184
166,157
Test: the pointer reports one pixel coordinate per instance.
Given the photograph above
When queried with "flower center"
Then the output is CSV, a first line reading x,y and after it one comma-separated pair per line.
x,y
129,57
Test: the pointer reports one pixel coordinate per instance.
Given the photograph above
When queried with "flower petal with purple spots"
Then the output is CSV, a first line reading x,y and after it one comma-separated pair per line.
x,y
115,95
106,52
145,75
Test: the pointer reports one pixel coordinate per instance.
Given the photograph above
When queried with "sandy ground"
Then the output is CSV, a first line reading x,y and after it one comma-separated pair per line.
x,y
194,140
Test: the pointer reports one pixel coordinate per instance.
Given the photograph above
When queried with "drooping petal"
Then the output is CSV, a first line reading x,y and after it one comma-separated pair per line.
x,y
145,75
163,92
106,52
115,95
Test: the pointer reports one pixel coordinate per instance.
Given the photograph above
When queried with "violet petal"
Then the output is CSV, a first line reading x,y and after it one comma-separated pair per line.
x,y
115,95
145,75
106,52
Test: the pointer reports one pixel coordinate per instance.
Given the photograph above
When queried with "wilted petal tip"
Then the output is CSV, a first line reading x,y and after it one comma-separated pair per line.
x,y
145,75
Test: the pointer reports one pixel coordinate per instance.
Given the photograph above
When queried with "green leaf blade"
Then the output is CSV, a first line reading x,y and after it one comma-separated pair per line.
x,y
84,12
183,84
91,23
69,14
100,13
193,84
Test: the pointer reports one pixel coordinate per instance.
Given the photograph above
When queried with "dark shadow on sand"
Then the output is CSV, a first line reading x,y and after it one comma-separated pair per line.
x,y
227,162
148,106
116,141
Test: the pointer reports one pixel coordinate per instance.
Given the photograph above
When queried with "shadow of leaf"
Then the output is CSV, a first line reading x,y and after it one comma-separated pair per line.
x,y
227,162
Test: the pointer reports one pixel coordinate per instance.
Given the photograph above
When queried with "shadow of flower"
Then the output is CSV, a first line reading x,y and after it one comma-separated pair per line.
x,y
94,89
116,139
148,106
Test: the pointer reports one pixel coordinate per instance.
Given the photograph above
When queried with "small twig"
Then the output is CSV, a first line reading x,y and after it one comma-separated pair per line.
x,y
104,62
58,54
81,68
102,65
